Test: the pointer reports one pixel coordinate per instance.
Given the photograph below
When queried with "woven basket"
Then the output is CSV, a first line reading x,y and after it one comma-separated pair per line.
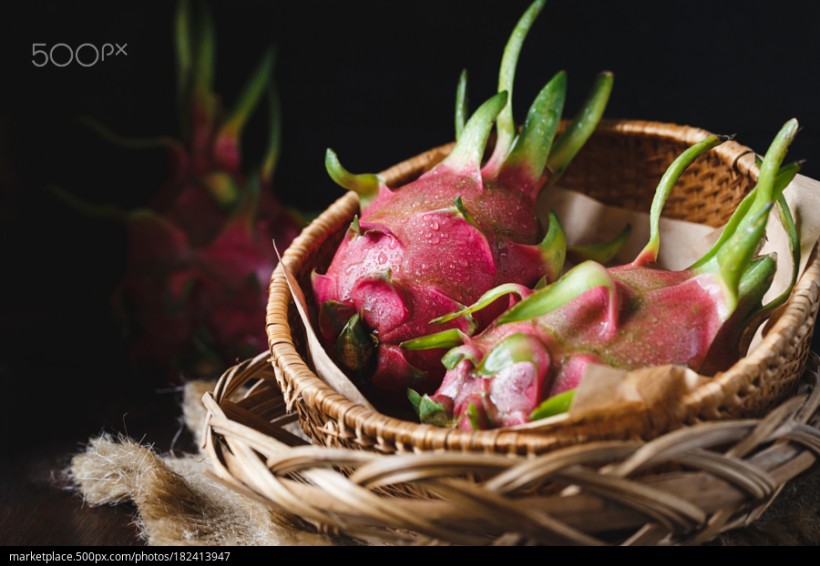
x,y
620,165
685,487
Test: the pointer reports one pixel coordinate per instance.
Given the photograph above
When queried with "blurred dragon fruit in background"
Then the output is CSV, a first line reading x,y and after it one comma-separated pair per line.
x,y
200,256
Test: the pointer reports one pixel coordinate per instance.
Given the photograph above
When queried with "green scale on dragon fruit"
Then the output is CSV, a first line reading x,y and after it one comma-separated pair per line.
x,y
199,254
528,363
438,243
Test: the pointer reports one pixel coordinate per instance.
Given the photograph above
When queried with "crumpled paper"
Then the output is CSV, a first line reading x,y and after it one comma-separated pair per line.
x,y
603,388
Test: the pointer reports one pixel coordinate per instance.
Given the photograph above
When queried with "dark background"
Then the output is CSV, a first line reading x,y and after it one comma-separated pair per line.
x,y
374,80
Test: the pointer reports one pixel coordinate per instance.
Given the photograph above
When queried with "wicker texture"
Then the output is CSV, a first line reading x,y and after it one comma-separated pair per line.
x,y
685,487
620,165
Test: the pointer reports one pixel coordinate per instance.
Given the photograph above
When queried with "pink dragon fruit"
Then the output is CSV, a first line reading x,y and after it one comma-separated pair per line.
x,y
527,364
199,254
437,243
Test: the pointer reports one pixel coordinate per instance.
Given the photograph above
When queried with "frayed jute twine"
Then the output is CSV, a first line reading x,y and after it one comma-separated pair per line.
x,y
178,502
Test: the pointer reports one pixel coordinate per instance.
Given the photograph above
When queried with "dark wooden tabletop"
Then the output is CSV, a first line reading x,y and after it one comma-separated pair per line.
x,y
37,505
36,511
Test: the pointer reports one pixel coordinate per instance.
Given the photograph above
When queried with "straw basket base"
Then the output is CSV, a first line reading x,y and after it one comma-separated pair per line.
x,y
685,487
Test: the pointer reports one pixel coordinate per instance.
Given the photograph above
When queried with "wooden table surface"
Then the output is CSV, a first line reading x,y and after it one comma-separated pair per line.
x,y
37,506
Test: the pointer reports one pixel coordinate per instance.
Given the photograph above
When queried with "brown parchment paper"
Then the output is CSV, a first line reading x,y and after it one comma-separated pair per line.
x,y
324,366
603,388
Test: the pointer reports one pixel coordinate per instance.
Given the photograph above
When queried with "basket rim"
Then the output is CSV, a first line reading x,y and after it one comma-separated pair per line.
x,y
387,430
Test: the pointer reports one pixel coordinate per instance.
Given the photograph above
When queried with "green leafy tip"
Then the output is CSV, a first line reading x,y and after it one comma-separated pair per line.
x,y
532,146
575,136
354,228
771,162
462,211
91,210
184,59
555,405
274,136
572,284
515,348
554,247
249,98
246,207
455,356
650,253
445,339
462,103
354,346
415,399
427,410
473,416
785,176
601,252
506,75
365,185
772,180
222,187
205,52
484,301
195,54
159,142
736,255
787,220
199,96
469,149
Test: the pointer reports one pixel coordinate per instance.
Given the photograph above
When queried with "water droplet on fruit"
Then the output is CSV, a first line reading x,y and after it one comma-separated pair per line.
x,y
382,258
434,225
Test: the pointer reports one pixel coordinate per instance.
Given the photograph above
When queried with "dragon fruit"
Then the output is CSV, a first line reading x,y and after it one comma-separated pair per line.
x,y
527,364
437,243
199,255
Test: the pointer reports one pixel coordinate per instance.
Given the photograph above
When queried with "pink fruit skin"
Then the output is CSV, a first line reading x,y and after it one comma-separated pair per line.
x,y
175,294
195,288
627,317
416,257
663,317
199,254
